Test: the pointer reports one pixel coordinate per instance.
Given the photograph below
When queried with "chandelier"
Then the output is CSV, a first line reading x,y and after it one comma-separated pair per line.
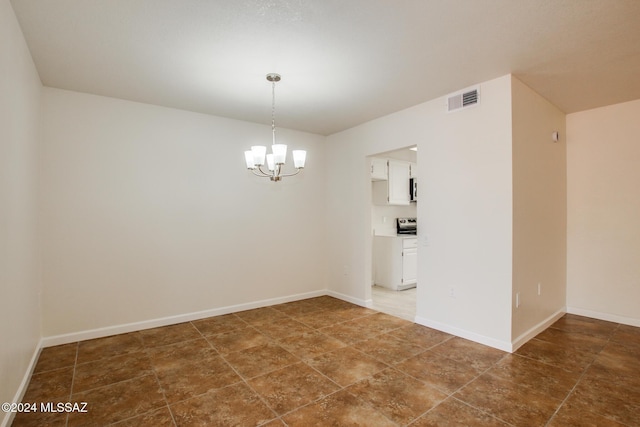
x,y
255,157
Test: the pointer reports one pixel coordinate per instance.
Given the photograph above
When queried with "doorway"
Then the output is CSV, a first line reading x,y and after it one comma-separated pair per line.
x,y
388,293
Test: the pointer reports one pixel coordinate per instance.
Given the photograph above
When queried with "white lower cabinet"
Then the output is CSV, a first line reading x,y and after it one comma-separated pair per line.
x,y
395,262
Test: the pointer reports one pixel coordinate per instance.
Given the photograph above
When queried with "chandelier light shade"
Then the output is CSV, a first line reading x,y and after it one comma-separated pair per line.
x,y
256,157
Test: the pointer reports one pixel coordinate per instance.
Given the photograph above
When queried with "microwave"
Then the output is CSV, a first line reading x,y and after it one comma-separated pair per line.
x,y
413,189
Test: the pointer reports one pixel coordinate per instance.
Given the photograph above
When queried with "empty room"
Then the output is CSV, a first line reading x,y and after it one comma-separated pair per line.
x,y
209,213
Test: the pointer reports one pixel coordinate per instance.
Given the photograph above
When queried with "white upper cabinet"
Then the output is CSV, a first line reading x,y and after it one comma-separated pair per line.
x,y
379,169
413,173
394,189
398,183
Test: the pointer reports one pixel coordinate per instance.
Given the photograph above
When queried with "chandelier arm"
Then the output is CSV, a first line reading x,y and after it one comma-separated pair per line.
x,y
261,173
291,174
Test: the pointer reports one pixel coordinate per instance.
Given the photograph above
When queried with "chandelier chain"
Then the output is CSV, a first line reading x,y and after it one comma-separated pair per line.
x,y
273,110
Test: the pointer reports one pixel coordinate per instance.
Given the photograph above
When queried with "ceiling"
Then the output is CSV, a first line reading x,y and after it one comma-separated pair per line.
x,y
343,62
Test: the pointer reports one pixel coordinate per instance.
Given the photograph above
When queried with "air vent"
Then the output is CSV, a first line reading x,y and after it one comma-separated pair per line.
x,y
463,100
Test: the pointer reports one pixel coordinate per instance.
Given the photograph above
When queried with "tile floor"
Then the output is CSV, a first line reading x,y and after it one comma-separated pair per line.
x,y
324,362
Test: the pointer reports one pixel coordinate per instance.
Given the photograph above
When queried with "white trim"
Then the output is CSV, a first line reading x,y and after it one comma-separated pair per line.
x,y
491,342
631,321
535,330
170,320
9,416
357,301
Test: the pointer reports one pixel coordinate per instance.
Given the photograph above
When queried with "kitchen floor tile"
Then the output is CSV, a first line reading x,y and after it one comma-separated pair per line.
x,y
49,386
478,356
421,335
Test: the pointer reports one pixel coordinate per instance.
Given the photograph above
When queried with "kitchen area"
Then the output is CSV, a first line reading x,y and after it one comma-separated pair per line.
x,y
394,193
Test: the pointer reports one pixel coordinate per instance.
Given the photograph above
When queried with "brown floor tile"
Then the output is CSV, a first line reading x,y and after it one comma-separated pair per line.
x,y
552,354
508,401
191,378
628,336
479,356
219,324
49,386
606,399
572,417
310,345
114,345
300,308
443,373
169,334
282,328
380,323
399,397
421,335
261,315
617,364
40,419
289,388
160,418
173,355
454,413
320,319
235,405
585,325
348,332
389,349
109,371
118,402
537,376
239,339
338,409
60,356
323,361
260,360
346,365
572,340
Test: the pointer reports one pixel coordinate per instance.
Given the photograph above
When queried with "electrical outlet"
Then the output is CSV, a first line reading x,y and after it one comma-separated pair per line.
x,y
452,292
539,288
517,299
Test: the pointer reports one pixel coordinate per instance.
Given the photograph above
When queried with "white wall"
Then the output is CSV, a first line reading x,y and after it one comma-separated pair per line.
x,y
19,252
465,208
149,212
539,211
603,213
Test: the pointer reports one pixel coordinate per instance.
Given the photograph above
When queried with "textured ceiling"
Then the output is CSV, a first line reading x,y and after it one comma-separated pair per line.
x,y
343,62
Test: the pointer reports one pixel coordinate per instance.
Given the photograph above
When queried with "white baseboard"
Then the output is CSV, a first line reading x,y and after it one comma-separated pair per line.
x,y
9,416
532,332
462,333
171,320
357,301
631,321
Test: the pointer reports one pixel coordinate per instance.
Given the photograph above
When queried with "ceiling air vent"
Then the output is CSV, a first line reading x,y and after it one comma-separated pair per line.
x,y
463,100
